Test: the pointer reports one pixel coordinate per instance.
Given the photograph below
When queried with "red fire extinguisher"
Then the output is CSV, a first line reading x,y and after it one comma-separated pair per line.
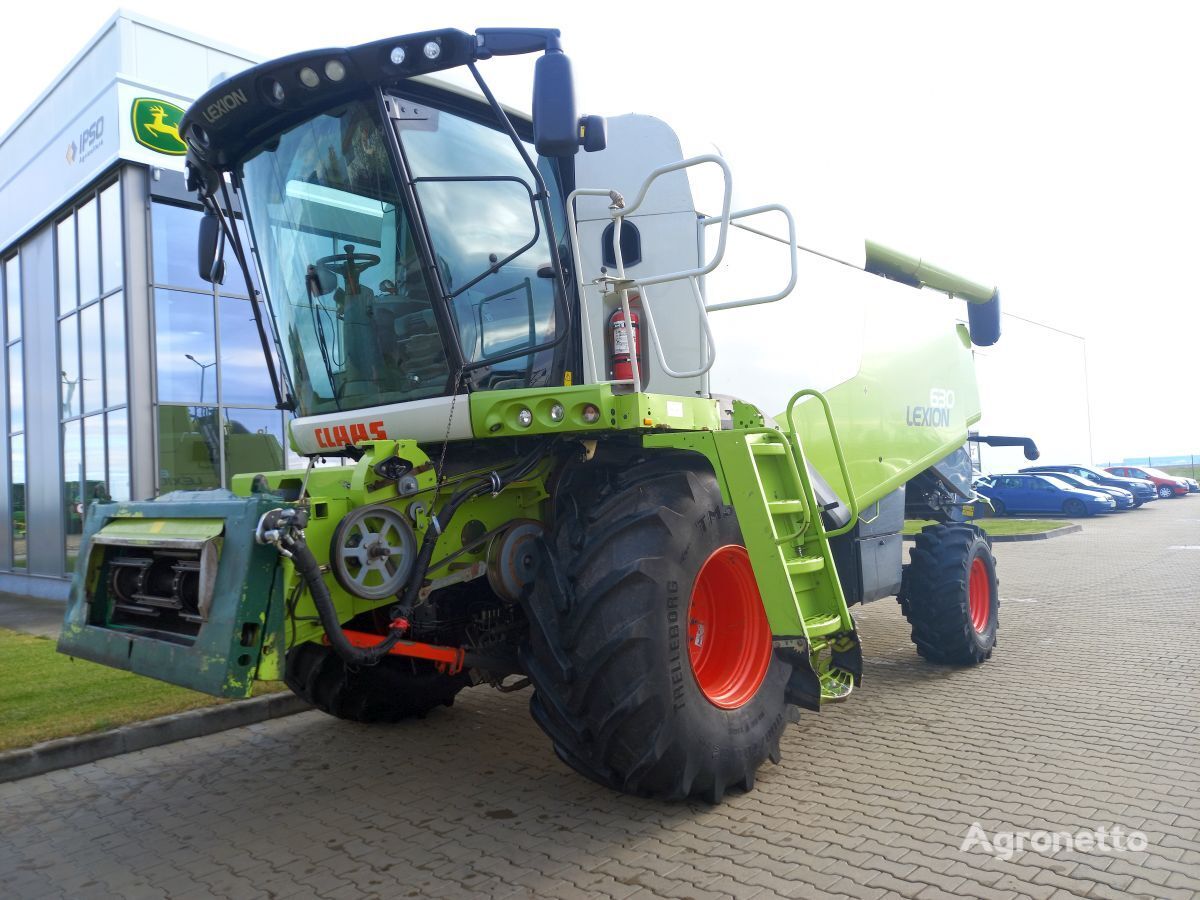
x,y
619,350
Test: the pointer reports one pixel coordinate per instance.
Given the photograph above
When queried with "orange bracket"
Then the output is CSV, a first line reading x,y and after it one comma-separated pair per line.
x,y
449,659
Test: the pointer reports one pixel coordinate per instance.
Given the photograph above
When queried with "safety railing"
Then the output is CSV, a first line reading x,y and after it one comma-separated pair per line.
x,y
623,284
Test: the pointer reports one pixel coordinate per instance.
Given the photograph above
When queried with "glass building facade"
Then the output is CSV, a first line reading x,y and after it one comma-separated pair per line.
x,y
127,375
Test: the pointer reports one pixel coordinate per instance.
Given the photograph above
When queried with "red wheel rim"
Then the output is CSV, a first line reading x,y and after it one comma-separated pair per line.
x,y
729,639
979,592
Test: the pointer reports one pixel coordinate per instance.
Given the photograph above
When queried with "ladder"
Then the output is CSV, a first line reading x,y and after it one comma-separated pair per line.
x,y
789,548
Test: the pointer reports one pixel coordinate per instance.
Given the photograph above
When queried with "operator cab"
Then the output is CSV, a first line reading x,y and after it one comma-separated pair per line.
x,y
410,237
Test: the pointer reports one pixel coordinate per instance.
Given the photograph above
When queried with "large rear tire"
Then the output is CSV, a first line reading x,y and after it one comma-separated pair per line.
x,y
951,596
395,689
649,650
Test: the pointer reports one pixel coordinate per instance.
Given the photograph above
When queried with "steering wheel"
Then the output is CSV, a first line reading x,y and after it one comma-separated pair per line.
x,y
349,265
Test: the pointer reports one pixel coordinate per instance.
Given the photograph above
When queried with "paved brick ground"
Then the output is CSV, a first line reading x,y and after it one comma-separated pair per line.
x,y
1088,716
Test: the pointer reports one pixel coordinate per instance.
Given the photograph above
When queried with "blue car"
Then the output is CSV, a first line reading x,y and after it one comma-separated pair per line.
x,y
1042,494
1123,497
1143,491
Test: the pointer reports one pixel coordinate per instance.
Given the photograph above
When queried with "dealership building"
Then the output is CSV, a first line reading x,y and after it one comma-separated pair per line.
x,y
128,375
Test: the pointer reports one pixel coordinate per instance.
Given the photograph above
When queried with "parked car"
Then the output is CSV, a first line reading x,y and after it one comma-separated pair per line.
x,y
1142,489
1042,494
1166,485
1123,497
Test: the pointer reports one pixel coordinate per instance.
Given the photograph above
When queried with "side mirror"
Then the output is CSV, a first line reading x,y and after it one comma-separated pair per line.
x,y
210,248
555,125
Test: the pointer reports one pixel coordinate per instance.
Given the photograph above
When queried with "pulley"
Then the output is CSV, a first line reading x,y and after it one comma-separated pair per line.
x,y
512,559
373,552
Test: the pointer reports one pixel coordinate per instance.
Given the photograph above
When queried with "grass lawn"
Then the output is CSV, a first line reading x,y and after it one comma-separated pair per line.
x,y
45,695
998,526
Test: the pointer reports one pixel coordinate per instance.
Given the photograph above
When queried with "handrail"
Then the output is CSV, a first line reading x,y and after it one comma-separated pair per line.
x,y
837,449
767,298
622,283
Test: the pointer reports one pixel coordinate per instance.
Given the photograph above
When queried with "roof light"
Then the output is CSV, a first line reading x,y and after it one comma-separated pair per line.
x,y
433,50
397,56
334,70
277,91
309,77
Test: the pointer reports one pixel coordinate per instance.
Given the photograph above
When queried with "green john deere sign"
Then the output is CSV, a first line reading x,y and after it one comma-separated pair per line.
x,y
156,125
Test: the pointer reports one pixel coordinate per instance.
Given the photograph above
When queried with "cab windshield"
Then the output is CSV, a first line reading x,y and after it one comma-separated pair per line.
x,y
353,308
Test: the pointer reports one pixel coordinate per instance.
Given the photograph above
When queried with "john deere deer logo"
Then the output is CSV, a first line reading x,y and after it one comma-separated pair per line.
x,y
156,125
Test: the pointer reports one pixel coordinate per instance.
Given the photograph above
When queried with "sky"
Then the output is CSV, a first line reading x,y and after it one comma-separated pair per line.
x,y
1050,148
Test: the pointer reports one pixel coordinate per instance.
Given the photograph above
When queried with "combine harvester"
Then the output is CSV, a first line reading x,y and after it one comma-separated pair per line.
x,y
509,343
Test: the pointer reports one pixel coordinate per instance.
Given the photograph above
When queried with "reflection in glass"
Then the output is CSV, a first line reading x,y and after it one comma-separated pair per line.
x,y
95,484
253,441
114,349
16,389
68,299
174,230
12,296
466,240
118,455
73,508
185,347
17,492
189,448
89,252
90,344
68,343
110,237
243,367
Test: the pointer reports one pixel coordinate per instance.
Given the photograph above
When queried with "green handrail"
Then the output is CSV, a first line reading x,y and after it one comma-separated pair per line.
x,y
837,450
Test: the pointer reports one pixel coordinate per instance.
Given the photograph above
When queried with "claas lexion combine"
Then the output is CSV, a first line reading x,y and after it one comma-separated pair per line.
x,y
507,344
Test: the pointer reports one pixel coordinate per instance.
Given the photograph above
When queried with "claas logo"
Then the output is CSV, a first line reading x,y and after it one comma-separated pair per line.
x,y
338,436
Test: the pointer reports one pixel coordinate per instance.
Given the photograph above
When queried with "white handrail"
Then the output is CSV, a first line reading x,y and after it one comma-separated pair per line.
x,y
766,298
618,211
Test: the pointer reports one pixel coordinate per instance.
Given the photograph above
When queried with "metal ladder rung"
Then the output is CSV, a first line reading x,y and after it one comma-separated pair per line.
x,y
803,565
822,625
784,507
768,449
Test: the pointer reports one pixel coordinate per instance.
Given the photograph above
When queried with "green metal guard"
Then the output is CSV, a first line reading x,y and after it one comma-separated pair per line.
x,y
837,449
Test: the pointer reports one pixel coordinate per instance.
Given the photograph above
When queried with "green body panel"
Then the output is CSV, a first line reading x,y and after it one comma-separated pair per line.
x,y
244,622
892,417
494,413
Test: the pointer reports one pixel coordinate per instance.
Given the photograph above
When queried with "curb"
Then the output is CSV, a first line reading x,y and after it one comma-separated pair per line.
x,y
1016,538
76,751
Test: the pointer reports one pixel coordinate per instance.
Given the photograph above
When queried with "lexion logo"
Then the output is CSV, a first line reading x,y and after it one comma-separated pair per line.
x,y
156,125
936,414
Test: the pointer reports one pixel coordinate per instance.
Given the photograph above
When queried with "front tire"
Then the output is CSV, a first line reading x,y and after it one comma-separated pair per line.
x,y
951,596
1075,509
1164,492
650,653
999,508
394,689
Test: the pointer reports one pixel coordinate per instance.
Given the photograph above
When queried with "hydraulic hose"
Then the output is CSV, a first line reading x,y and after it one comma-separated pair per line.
x,y
309,569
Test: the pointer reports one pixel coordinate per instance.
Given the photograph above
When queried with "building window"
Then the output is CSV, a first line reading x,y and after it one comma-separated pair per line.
x,y
89,260
15,427
216,409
